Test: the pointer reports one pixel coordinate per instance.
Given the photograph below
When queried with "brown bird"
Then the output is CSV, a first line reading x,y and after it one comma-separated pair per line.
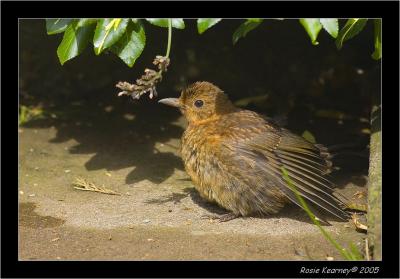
x,y
234,158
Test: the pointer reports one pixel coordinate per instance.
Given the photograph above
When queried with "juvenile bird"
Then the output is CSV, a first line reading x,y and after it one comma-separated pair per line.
x,y
234,158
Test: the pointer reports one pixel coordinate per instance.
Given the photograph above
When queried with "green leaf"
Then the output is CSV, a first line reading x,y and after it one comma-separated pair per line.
x,y
245,28
377,39
308,136
352,27
23,115
204,23
313,218
74,42
330,25
312,26
86,21
163,22
30,113
57,25
108,32
132,43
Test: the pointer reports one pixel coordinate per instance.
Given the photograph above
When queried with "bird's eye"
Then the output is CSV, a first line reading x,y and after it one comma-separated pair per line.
x,y
198,103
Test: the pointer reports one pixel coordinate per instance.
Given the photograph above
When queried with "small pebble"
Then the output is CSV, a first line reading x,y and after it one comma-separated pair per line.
x,y
36,168
35,184
128,194
360,71
108,174
55,239
31,150
67,171
108,108
31,195
329,258
58,258
150,240
129,116
21,192
146,221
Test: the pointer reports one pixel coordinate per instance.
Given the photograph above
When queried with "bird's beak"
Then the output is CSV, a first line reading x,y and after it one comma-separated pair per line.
x,y
173,102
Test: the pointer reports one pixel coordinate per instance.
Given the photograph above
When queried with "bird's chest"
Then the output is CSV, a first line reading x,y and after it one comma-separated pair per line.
x,y
199,151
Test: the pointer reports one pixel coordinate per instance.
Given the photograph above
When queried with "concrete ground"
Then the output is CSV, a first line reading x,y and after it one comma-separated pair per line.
x,y
87,132
158,214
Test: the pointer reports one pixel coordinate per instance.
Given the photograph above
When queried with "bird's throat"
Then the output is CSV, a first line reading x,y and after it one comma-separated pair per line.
x,y
208,120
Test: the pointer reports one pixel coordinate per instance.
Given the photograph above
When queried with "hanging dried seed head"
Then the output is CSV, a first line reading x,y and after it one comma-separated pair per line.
x,y
147,82
161,62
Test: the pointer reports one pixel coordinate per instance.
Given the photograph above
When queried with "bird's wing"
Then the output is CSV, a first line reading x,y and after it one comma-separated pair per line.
x,y
272,148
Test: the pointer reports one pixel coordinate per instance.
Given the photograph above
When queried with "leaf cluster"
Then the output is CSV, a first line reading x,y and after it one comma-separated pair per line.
x,y
126,37
352,27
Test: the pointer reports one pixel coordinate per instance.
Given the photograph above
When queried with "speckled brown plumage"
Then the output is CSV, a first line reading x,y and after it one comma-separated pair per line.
x,y
234,157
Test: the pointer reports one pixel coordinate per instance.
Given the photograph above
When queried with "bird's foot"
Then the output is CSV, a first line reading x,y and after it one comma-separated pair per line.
x,y
221,218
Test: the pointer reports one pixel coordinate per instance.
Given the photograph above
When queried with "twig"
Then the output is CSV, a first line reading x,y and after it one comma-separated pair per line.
x,y
358,224
367,249
85,185
169,37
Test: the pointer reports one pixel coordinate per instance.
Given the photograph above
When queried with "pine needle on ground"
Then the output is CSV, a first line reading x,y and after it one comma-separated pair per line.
x,y
84,185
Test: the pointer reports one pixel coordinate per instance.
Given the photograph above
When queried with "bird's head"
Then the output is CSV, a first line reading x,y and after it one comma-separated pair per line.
x,y
200,102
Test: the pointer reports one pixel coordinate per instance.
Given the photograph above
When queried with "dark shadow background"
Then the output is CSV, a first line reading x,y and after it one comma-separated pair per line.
x,y
301,81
